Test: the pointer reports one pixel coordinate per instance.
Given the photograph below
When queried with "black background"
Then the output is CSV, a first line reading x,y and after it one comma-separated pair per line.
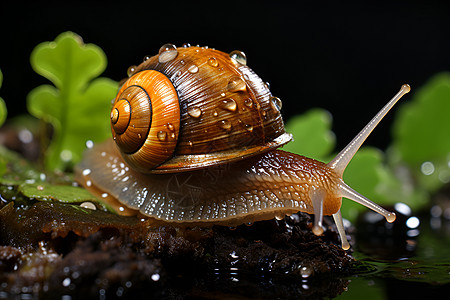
x,y
347,58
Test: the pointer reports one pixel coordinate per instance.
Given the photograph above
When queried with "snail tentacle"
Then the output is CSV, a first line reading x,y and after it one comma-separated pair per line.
x,y
349,193
341,230
340,162
317,199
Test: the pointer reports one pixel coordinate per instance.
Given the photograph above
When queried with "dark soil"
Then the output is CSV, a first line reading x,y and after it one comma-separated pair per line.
x,y
49,250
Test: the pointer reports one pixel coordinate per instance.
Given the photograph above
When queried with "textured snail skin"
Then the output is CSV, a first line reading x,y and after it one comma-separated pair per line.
x,y
272,184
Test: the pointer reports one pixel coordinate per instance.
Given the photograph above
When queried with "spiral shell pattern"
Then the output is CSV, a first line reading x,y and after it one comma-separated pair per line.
x,y
145,120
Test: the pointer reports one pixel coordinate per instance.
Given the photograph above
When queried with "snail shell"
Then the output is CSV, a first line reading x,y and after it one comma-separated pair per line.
x,y
193,107
210,125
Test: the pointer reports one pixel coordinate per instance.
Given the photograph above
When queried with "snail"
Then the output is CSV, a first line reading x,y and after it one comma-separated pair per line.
x,y
195,137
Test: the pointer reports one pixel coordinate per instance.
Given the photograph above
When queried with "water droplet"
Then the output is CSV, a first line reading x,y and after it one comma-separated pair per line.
x,y
172,135
225,124
276,103
170,126
248,127
182,62
427,168
131,70
147,57
236,84
89,144
66,155
190,144
155,277
248,102
186,45
215,113
239,57
66,282
167,53
194,111
86,172
88,205
213,62
267,85
223,94
305,272
139,136
162,135
25,136
193,69
229,104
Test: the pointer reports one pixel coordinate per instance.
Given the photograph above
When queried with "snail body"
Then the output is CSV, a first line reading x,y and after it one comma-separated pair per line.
x,y
197,133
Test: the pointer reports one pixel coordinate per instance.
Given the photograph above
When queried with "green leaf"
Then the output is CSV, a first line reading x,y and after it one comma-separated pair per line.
x,y
77,105
3,111
14,169
60,193
422,133
312,134
368,174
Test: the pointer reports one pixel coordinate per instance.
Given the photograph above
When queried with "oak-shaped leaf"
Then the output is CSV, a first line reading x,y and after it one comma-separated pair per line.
x,y
312,134
78,104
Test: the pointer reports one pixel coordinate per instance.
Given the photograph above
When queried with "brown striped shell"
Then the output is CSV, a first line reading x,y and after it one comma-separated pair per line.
x,y
192,107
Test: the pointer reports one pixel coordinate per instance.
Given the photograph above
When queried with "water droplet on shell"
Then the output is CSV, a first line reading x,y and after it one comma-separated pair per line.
x,y
186,45
229,104
213,62
167,53
194,111
162,135
147,57
248,102
239,56
236,84
225,124
170,126
249,127
193,69
276,103
131,70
